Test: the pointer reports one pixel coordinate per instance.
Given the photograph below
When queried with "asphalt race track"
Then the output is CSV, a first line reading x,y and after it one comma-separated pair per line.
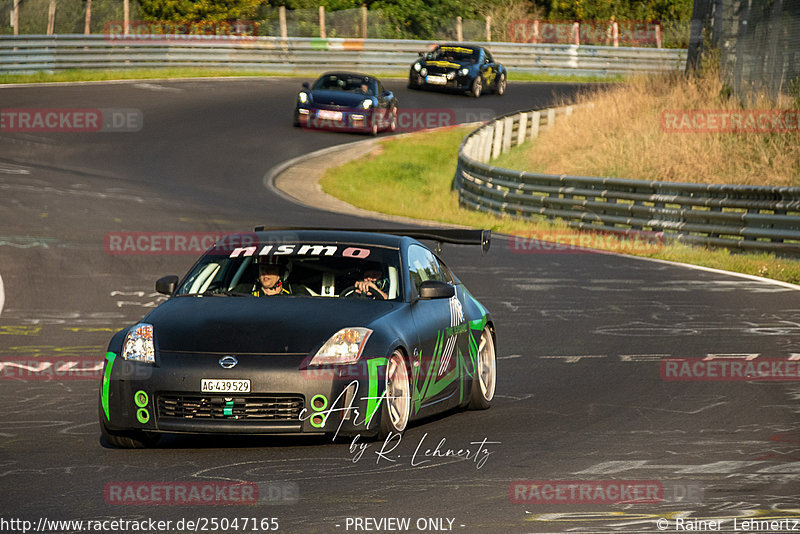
x,y
580,396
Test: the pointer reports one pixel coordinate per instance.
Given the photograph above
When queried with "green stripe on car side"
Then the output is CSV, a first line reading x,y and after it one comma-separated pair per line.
x,y
373,402
110,356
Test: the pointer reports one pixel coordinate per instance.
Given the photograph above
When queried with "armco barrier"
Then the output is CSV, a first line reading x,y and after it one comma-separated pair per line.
x,y
55,52
734,216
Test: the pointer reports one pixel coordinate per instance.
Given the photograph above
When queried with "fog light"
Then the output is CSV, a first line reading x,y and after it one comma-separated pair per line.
x,y
140,399
317,420
142,415
319,402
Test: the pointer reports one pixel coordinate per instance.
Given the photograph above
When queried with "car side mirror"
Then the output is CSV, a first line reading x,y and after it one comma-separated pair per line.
x,y
436,289
306,86
166,285
386,94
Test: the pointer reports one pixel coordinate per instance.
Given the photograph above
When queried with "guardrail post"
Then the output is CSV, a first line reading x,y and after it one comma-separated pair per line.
x,y
508,128
459,30
497,142
576,32
488,28
487,144
523,123
551,117
536,119
322,32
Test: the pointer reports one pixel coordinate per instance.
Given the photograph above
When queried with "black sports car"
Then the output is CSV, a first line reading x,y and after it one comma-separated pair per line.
x,y
364,332
470,69
346,101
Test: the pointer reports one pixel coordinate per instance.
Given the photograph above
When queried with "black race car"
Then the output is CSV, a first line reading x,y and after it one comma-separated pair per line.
x,y
346,101
470,69
357,332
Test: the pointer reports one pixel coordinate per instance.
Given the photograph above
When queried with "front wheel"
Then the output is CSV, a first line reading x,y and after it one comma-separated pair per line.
x,y
485,375
397,401
477,87
133,439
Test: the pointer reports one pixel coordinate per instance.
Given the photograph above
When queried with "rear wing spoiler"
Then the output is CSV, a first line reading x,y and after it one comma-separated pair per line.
x,y
456,236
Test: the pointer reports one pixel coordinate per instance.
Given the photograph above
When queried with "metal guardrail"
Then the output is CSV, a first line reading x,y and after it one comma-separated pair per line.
x,y
734,216
55,52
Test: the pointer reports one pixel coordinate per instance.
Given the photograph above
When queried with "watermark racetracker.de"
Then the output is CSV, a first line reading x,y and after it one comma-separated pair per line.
x,y
179,243
191,493
179,31
758,121
71,120
571,242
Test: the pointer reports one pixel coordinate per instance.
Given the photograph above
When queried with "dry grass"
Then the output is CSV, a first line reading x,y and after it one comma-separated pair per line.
x,y
622,136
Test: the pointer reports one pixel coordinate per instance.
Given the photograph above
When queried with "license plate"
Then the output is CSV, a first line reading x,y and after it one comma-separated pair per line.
x,y
436,80
224,385
329,115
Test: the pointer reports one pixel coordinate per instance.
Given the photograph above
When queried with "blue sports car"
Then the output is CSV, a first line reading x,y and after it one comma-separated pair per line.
x,y
469,69
346,101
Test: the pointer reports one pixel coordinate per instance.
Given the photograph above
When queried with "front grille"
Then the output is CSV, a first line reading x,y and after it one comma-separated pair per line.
x,y
332,107
249,407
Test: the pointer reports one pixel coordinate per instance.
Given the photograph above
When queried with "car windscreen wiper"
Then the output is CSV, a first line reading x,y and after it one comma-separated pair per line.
x,y
216,294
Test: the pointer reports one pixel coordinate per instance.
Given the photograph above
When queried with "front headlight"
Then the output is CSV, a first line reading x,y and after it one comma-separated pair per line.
x,y
302,97
451,75
464,71
366,104
139,345
344,347
417,66
424,72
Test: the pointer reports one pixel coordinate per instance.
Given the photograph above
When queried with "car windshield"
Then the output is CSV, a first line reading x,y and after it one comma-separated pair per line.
x,y
307,269
458,54
351,84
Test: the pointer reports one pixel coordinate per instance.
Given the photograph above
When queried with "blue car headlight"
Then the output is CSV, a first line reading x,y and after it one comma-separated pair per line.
x,y
367,103
138,345
417,66
303,97
343,347
464,71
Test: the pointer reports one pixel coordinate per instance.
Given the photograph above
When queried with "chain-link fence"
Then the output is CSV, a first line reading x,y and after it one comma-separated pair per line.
x,y
106,16
758,42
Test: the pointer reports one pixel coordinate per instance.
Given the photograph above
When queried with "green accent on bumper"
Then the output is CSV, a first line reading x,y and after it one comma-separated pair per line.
x,y
324,402
373,402
228,408
142,415
110,357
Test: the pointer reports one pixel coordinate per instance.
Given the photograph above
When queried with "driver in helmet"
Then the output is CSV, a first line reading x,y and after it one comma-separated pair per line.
x,y
271,279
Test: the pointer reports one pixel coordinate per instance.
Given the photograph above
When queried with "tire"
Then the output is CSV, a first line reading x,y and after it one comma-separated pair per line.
x,y
477,87
483,383
133,439
396,405
500,87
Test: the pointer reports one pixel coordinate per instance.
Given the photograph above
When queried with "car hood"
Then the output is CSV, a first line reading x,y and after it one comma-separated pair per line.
x,y
266,325
338,98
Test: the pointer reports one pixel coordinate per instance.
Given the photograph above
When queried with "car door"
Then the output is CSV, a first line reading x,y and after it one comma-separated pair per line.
x,y
489,69
437,368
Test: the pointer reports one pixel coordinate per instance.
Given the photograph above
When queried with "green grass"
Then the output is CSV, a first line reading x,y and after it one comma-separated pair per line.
x,y
412,175
91,75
